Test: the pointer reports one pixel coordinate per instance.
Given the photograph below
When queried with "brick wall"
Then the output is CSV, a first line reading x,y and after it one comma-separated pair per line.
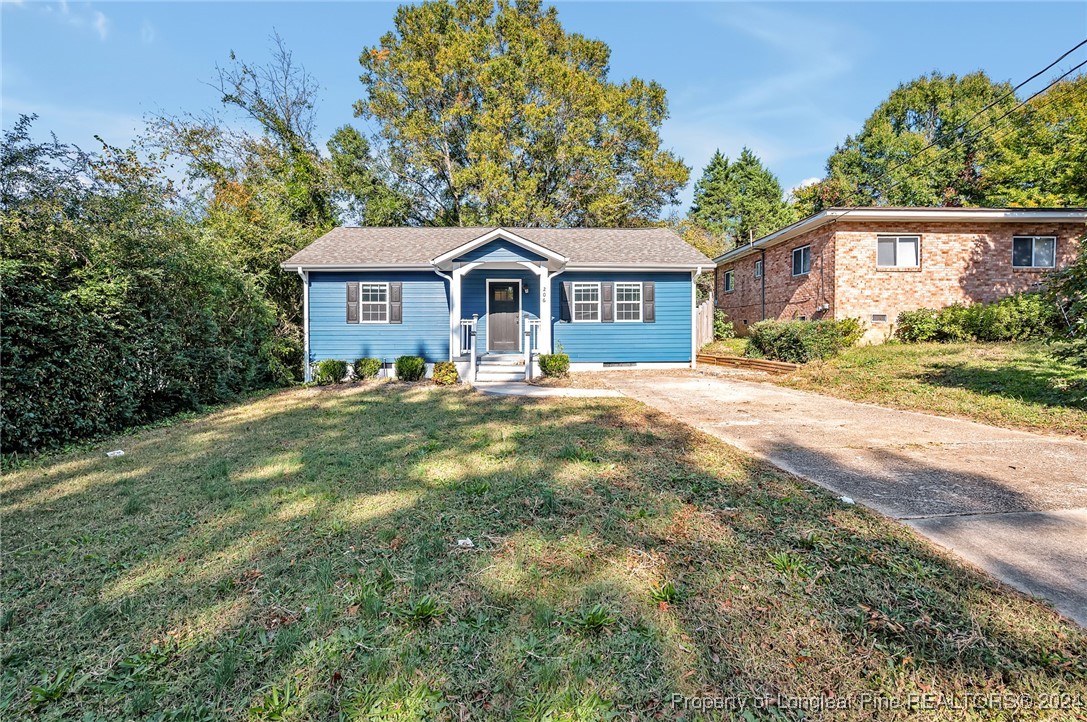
x,y
959,263
787,296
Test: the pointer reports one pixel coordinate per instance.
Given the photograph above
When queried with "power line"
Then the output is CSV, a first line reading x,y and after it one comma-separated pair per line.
x,y
974,117
977,134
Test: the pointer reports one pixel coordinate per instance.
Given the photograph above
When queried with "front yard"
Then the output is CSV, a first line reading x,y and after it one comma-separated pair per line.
x,y
297,557
1012,385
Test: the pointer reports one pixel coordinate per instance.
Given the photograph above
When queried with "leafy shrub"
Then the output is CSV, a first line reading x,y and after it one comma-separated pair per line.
x,y
916,326
801,341
954,323
1022,316
367,368
722,327
555,364
410,368
1070,290
330,371
445,373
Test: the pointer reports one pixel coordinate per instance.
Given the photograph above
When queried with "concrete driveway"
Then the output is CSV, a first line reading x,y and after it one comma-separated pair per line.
x,y
1010,502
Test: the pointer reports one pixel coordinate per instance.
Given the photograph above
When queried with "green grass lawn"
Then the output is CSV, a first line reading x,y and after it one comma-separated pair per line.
x,y
1014,385
296,557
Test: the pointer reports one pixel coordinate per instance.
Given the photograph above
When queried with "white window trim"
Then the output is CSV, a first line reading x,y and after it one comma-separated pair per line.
x,y
729,281
615,302
795,250
758,268
1033,244
574,302
373,303
898,238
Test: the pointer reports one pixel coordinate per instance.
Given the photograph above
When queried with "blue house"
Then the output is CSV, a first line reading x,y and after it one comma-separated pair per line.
x,y
493,299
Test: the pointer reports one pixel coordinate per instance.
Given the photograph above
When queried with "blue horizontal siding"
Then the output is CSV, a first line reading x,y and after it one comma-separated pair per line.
x,y
474,297
424,332
499,251
666,340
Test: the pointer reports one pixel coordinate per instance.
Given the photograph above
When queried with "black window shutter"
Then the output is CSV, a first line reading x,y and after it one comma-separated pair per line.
x,y
606,305
564,302
649,302
396,302
353,302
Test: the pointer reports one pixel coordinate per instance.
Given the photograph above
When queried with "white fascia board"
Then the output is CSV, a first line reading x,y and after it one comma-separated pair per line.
x,y
497,233
360,267
635,268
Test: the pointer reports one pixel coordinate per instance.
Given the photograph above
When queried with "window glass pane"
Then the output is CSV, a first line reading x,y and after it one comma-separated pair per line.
x,y
629,292
1022,252
373,292
374,311
801,260
758,269
1045,252
806,255
728,280
907,253
885,252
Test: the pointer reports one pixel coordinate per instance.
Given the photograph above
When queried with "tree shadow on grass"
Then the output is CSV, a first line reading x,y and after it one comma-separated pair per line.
x,y
1032,382
298,557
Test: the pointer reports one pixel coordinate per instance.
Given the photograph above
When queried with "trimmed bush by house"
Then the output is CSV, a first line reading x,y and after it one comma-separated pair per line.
x,y
1015,318
801,341
722,327
410,368
367,368
555,364
445,373
330,371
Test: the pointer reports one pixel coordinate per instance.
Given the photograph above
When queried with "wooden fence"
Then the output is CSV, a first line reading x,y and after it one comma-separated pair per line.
x,y
703,321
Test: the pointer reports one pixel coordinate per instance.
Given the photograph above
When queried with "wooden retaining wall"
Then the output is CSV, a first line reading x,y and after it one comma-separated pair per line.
x,y
748,364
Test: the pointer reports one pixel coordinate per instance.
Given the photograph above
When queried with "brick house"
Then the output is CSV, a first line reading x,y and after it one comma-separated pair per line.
x,y
873,263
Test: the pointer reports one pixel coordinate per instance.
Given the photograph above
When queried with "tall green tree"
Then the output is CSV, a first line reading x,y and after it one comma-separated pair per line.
x,y
884,163
1043,157
491,113
740,201
361,185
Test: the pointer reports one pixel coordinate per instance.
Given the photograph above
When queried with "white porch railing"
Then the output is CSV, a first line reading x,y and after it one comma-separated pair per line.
x,y
532,344
468,344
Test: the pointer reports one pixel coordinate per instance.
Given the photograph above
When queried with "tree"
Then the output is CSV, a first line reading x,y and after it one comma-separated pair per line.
x,y
739,202
263,193
878,167
1070,291
114,308
1043,159
361,185
491,113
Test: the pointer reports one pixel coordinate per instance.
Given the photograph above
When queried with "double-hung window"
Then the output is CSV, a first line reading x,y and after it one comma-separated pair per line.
x,y
802,261
628,301
586,301
758,268
1034,252
729,282
898,251
374,302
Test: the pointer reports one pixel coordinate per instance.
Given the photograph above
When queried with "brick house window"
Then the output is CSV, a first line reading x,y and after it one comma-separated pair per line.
x,y
1034,252
802,260
758,268
728,282
898,251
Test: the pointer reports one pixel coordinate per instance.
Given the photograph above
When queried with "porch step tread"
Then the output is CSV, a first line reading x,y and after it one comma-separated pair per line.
x,y
482,375
498,361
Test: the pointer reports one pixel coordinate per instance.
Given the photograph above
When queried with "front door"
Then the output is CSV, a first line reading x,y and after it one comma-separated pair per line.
x,y
503,315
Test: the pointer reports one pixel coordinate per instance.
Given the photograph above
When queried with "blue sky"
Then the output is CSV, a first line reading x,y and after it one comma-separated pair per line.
x,y
790,80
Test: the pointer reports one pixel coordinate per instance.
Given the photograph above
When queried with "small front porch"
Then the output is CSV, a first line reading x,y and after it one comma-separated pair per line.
x,y
500,306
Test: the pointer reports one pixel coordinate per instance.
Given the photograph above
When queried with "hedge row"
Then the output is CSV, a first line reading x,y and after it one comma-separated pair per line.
x,y
1015,318
802,341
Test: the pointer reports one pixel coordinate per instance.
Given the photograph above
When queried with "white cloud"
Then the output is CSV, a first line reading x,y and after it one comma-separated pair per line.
x,y
147,32
101,25
81,17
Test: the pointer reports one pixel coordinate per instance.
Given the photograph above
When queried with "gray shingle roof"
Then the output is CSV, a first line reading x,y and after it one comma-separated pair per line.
x,y
416,246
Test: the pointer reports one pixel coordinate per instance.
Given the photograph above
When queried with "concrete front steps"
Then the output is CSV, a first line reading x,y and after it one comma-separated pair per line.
x,y
500,368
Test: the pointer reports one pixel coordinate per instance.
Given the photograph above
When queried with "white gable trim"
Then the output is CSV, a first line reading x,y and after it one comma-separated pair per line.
x,y
445,260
